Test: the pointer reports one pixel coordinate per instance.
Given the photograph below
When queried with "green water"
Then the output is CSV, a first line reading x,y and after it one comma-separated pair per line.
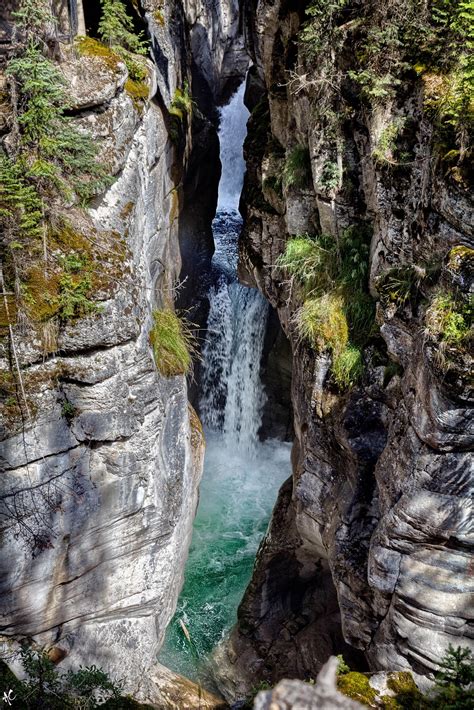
x,y
237,495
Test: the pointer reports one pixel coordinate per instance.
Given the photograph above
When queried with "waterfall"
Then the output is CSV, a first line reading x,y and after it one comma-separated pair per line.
x,y
241,474
232,393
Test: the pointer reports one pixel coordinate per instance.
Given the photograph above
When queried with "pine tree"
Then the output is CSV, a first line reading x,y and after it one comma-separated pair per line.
x,y
455,681
116,28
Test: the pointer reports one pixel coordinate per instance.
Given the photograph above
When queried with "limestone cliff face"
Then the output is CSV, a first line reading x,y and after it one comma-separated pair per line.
x,y
369,542
100,473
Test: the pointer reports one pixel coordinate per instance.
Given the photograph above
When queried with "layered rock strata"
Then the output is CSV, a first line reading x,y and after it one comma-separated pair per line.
x,y
371,539
100,473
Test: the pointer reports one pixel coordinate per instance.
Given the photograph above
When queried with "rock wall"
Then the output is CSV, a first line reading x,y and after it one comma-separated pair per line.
x,y
369,545
100,474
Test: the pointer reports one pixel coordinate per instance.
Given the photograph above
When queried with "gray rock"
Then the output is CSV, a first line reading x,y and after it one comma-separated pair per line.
x,y
295,695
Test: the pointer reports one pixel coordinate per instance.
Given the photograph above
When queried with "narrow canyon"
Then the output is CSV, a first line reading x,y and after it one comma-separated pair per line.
x,y
236,353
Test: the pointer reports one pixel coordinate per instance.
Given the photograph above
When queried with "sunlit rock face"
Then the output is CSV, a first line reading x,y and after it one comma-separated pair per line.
x,y
100,479
376,517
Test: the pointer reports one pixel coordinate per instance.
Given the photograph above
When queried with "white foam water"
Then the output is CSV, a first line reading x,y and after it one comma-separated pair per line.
x,y
241,474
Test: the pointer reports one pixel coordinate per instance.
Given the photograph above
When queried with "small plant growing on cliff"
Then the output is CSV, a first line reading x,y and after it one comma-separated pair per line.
x,y
449,318
173,343
182,103
44,687
337,313
297,168
384,151
329,179
116,28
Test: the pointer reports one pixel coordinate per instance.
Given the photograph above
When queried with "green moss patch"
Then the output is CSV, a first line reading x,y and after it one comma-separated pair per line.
x,y
90,47
357,686
138,92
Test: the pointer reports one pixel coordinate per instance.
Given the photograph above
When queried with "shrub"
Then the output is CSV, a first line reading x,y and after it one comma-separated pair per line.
x,y
297,168
173,343
75,287
455,681
342,666
329,175
45,687
182,103
384,151
449,318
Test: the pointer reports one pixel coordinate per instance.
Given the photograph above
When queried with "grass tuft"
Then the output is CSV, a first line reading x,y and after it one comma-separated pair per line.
x,y
348,366
173,343
449,318
323,323
338,313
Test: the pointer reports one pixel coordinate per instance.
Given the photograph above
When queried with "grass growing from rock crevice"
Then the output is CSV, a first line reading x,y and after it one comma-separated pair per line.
x,y
337,313
173,343
449,318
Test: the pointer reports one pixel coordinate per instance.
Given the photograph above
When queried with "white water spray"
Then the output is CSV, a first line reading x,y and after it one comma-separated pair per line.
x,y
232,393
241,475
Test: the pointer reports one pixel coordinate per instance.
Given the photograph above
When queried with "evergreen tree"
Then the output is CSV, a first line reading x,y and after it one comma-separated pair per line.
x,y
116,28
455,681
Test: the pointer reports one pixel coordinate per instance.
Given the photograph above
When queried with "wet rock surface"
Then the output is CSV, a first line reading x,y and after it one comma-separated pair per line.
x,y
376,519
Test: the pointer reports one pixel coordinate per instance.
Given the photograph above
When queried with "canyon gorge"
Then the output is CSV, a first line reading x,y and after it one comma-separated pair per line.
x,y
236,376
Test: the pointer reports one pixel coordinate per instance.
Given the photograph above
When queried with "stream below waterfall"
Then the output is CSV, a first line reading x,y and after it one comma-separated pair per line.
x,y
242,475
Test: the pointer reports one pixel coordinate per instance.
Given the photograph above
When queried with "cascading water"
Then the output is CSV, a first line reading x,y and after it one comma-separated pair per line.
x,y
241,474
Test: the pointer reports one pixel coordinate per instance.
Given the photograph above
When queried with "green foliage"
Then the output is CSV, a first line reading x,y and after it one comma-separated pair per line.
x,y
275,183
297,168
116,28
33,17
342,666
348,366
20,204
182,103
173,343
249,702
329,176
75,287
384,151
338,312
45,687
357,686
449,318
57,157
68,410
455,681
311,261
320,31
322,322
400,284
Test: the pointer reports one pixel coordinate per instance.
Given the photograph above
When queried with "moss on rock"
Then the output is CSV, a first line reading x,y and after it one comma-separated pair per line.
x,y
356,686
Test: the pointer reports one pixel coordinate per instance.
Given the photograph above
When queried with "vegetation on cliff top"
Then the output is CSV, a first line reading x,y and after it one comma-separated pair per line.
x,y
453,689
392,44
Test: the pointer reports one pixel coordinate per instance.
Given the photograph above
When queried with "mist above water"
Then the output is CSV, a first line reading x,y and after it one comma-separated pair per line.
x,y
241,474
